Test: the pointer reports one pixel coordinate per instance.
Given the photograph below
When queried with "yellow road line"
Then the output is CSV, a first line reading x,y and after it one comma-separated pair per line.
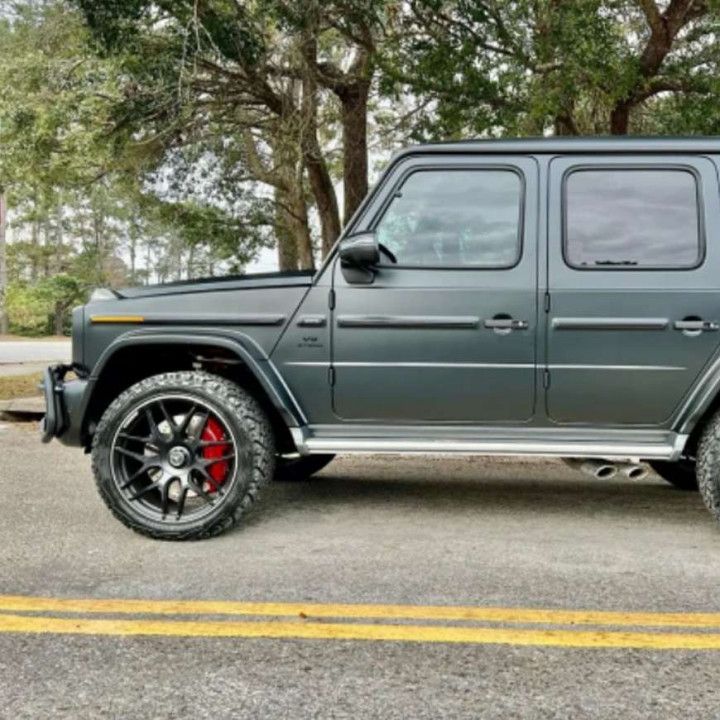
x,y
18,603
322,631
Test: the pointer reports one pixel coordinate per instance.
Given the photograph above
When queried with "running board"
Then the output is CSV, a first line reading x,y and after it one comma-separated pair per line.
x,y
606,444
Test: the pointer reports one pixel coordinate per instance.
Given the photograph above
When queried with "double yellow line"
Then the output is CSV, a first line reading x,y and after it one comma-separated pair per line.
x,y
406,623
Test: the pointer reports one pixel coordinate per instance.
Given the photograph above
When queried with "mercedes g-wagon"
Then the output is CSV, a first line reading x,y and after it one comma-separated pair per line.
x,y
545,297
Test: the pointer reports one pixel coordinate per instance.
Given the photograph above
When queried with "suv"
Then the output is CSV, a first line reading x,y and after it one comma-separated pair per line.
x,y
545,297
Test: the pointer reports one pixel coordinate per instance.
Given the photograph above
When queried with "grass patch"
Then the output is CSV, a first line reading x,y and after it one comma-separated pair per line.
x,y
19,386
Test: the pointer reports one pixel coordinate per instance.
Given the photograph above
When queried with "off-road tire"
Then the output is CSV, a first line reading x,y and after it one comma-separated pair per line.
x,y
682,475
300,468
708,466
248,425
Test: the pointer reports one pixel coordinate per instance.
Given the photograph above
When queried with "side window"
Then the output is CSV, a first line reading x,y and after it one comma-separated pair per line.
x,y
455,218
632,219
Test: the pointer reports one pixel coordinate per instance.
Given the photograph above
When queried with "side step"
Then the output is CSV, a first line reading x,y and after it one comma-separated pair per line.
x,y
606,444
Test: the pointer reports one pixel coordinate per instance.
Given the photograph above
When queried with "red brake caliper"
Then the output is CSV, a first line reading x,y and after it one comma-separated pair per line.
x,y
218,471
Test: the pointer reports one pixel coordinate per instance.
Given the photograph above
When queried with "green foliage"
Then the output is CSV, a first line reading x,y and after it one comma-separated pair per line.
x,y
150,140
32,308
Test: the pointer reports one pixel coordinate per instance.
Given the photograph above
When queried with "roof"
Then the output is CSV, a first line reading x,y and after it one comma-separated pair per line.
x,y
569,145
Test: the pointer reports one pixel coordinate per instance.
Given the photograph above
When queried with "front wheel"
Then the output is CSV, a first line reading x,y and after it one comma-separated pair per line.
x,y
182,455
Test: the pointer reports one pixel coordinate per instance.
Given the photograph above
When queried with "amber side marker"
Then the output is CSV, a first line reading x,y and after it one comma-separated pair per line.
x,y
117,319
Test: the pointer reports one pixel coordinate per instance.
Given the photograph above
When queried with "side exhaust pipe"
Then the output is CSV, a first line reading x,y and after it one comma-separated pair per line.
x,y
598,469
635,472
606,470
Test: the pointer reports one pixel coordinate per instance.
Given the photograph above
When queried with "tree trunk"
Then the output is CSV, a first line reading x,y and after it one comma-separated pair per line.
x,y
35,242
620,119
298,221
58,249
3,265
355,152
58,318
320,181
286,246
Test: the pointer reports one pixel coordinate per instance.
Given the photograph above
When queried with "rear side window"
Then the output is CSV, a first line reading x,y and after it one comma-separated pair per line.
x,y
625,219
455,218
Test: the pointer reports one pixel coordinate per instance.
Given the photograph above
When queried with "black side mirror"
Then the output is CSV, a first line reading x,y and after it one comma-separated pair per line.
x,y
360,251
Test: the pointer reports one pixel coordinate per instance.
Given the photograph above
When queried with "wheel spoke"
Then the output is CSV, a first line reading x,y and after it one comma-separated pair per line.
x,y
168,418
182,429
137,474
197,487
145,459
206,462
201,425
154,430
135,438
181,501
165,495
144,491
212,443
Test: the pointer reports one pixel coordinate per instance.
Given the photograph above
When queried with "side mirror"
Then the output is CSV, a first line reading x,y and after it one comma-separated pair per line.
x,y
360,251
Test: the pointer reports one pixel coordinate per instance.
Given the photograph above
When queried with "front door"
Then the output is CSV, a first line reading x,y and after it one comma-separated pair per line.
x,y
446,330
634,285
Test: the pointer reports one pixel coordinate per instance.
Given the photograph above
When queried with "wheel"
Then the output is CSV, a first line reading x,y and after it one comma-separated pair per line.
x,y
681,474
300,468
708,465
182,455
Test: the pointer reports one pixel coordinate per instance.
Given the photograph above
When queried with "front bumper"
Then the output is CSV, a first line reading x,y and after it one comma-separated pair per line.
x,y
64,405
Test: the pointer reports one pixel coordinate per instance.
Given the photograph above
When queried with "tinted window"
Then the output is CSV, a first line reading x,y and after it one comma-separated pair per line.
x,y
625,219
455,218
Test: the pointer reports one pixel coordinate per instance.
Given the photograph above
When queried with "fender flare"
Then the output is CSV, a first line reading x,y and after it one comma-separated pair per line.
x,y
699,399
239,344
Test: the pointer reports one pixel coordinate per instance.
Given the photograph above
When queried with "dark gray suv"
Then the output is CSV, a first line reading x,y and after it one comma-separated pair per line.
x,y
526,297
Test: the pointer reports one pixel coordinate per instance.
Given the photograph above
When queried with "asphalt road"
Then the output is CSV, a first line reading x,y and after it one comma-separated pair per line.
x,y
483,533
15,352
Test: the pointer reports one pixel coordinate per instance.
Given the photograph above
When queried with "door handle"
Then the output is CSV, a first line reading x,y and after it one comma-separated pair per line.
x,y
696,325
506,324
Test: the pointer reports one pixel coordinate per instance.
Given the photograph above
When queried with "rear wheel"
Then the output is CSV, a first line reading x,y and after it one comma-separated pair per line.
x,y
300,468
681,474
708,466
182,455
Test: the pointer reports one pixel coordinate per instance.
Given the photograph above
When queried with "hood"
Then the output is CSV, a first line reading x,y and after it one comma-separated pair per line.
x,y
293,278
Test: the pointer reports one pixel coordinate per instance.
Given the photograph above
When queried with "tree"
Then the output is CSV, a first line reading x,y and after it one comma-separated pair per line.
x,y
541,66
265,71
3,265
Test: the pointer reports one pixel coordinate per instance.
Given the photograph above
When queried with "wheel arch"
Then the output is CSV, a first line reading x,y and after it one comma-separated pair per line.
x,y
140,354
700,405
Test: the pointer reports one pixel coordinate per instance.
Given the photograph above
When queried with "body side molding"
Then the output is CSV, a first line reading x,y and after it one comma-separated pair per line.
x,y
408,321
608,323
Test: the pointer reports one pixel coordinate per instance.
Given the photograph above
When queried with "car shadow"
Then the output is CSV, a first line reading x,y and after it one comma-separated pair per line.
x,y
547,487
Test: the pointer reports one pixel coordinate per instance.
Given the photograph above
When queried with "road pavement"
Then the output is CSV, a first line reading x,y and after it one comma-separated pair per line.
x,y
36,352
394,534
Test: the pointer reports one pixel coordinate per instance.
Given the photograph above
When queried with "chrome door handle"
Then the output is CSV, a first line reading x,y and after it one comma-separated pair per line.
x,y
506,324
696,325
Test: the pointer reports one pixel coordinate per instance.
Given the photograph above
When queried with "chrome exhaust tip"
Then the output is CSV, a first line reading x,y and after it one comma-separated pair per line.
x,y
597,469
635,472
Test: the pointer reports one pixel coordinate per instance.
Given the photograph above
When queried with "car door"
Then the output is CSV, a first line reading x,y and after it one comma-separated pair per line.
x,y
633,281
447,332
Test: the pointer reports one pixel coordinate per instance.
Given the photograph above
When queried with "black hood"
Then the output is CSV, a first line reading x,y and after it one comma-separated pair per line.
x,y
228,282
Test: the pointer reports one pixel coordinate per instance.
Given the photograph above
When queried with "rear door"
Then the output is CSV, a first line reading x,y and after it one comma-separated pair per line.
x,y
446,333
634,285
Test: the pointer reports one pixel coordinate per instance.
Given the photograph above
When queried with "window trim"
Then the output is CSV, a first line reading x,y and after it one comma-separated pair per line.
x,y
700,210
402,179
